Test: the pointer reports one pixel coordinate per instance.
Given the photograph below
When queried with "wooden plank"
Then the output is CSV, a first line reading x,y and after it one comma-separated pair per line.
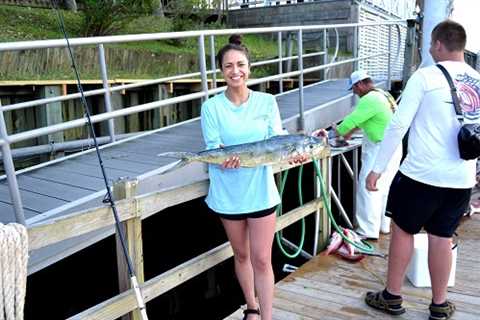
x,y
117,164
131,157
48,188
78,223
75,165
151,203
57,175
7,214
31,201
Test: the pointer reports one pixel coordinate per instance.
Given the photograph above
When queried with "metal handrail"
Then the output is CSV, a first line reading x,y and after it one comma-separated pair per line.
x,y
7,139
61,43
89,93
34,133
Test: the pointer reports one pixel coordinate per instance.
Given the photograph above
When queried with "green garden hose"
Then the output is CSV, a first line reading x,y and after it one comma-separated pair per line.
x,y
363,246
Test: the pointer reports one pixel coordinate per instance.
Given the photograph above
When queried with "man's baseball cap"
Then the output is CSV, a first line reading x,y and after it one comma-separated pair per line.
x,y
356,76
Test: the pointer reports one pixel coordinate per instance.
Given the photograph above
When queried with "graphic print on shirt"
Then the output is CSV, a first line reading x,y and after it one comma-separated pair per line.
x,y
468,89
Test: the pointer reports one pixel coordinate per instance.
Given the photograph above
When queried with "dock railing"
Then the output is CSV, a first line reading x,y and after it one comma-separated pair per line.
x,y
204,73
134,208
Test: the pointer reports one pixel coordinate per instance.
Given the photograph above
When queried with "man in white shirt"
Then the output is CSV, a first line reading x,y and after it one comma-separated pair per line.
x,y
432,189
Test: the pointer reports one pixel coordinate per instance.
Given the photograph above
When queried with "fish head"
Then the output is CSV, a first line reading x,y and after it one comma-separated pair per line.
x,y
313,146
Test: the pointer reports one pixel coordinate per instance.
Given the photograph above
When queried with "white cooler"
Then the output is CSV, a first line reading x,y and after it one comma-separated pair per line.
x,y
417,271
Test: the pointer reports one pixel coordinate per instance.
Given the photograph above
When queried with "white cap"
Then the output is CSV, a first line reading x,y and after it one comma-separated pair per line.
x,y
356,76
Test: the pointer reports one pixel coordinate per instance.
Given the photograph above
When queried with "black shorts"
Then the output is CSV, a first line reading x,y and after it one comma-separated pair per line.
x,y
415,205
243,216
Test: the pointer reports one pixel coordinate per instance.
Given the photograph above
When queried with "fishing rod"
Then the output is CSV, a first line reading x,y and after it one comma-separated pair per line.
x,y
108,197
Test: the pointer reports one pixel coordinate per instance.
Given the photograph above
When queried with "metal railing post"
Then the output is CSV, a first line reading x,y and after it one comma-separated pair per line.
x,y
325,50
203,65
107,94
355,47
300,80
389,57
289,51
410,49
9,168
212,61
355,181
280,62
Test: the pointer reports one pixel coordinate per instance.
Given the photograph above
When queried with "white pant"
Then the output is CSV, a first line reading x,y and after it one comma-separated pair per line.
x,y
371,205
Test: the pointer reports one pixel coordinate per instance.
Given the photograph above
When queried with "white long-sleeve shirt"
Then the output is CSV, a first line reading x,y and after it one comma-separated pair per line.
x,y
426,108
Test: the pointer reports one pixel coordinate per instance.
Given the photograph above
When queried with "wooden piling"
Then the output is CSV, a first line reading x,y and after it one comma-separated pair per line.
x,y
49,114
132,228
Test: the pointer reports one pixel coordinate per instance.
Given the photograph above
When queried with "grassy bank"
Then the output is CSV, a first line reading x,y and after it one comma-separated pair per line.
x,y
167,57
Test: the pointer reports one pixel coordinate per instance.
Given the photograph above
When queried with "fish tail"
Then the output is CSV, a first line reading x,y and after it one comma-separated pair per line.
x,y
174,166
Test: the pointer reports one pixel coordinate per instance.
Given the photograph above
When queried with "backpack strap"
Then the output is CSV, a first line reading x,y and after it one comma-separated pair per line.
x,y
453,92
391,100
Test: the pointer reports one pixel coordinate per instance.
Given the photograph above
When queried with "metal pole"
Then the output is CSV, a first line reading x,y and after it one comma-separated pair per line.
x,y
212,61
409,54
389,57
355,181
300,80
341,209
203,66
108,101
325,50
280,62
355,47
317,194
289,51
9,168
339,173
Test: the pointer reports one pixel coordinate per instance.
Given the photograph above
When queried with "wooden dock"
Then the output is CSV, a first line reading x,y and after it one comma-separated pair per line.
x,y
327,287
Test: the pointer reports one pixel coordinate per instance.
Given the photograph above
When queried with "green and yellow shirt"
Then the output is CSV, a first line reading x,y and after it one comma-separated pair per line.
x,y
372,115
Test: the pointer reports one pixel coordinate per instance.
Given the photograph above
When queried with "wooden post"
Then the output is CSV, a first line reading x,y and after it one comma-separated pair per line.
x,y
161,115
50,114
126,189
133,121
117,104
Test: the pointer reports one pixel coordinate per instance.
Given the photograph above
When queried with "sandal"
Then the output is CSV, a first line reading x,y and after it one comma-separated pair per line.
x,y
442,312
246,312
390,306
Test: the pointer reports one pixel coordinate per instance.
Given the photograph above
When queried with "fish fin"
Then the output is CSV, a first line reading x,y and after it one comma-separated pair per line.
x,y
178,155
174,166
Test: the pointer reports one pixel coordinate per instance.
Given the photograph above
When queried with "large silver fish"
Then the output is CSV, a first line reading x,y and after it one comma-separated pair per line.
x,y
277,149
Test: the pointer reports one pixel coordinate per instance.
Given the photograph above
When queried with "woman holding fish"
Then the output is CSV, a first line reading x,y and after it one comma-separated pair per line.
x,y
245,199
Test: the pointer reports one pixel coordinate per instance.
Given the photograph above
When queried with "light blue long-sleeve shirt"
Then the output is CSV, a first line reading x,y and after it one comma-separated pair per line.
x,y
242,190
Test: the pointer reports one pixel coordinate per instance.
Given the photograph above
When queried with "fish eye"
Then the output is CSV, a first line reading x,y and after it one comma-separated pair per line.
x,y
310,146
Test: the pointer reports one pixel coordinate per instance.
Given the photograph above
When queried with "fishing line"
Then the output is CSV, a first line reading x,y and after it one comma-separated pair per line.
x,y
108,197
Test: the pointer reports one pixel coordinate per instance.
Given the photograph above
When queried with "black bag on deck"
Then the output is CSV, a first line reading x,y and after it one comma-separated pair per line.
x,y
469,134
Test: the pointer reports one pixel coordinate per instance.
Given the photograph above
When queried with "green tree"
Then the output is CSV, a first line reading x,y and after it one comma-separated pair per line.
x,y
105,17
191,13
